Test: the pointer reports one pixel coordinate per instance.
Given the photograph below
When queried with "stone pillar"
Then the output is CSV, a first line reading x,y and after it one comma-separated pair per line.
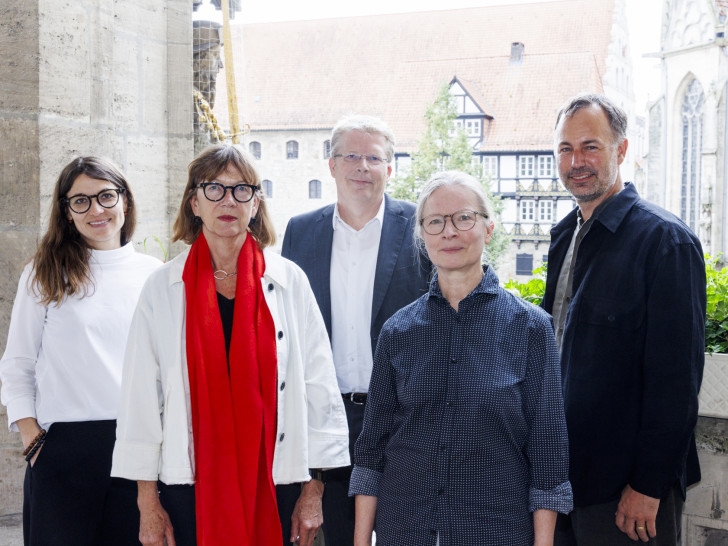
x,y
20,213
99,77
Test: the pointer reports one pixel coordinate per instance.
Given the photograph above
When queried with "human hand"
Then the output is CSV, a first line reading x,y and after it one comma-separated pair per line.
x,y
636,515
154,524
307,515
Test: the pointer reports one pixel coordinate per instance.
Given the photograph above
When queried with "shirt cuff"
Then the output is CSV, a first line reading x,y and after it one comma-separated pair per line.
x,y
558,499
135,461
364,481
652,482
18,409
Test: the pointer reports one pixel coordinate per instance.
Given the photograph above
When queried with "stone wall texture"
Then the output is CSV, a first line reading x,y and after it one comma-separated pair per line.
x,y
101,77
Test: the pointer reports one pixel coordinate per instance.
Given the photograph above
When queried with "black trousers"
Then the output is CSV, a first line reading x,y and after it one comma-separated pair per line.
x,y
179,503
69,495
594,525
338,507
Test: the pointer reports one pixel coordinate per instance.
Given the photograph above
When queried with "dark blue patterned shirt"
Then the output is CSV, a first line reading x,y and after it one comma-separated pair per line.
x,y
464,433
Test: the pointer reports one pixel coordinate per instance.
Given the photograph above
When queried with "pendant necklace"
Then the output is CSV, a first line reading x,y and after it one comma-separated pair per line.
x,y
221,274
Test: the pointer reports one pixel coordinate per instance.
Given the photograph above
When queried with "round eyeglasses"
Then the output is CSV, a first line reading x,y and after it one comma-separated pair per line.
x,y
462,220
356,158
81,203
214,191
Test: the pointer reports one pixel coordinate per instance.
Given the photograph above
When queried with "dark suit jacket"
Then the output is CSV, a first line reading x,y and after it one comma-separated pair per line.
x,y
632,352
402,274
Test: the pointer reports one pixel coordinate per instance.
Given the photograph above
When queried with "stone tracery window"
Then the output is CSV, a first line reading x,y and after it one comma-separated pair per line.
x,y
692,137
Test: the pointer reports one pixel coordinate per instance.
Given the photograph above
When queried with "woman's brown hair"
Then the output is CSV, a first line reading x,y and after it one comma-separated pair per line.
x,y
205,168
60,264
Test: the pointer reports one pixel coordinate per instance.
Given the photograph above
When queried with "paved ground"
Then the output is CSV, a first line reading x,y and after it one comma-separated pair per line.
x,y
11,530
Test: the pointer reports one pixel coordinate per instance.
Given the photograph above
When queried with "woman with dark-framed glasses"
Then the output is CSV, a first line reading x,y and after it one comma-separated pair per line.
x,y
464,439
229,385
61,371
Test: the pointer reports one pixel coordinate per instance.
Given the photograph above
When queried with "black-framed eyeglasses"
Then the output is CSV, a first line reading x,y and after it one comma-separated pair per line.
x,y
81,202
356,158
462,220
214,191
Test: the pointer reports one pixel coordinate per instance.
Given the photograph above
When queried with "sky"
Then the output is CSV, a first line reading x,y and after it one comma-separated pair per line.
x,y
643,19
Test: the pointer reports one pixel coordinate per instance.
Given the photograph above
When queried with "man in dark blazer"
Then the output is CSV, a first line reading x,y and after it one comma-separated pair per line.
x,y
626,288
363,266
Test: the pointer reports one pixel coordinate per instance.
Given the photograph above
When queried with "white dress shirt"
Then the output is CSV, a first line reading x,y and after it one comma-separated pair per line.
x,y
353,265
62,363
154,428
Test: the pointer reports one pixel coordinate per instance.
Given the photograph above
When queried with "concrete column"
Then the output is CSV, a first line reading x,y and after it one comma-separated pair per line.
x,y
101,77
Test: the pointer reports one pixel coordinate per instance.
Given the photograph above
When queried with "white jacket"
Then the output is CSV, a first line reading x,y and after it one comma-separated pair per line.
x,y
154,427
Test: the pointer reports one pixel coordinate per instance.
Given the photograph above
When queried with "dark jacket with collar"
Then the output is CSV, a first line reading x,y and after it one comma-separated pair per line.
x,y
402,273
633,349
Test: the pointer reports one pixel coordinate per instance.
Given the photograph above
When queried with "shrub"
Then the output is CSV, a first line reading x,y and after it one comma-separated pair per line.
x,y
716,323
532,290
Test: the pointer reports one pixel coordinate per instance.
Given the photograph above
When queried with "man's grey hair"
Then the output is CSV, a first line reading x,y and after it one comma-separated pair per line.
x,y
366,124
616,116
451,178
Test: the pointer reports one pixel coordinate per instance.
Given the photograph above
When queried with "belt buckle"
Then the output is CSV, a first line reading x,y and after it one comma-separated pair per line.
x,y
354,396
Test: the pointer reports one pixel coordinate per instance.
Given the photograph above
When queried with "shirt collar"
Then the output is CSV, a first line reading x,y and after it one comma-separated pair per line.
x,y
597,211
619,205
487,285
336,219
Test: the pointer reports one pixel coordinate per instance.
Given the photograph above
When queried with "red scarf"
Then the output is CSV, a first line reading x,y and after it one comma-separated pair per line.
x,y
233,414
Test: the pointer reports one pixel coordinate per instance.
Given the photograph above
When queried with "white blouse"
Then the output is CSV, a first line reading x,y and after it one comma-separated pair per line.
x,y
63,362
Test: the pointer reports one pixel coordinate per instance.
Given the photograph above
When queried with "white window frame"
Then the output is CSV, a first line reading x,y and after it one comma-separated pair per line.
x,y
545,166
490,166
546,210
473,127
526,166
527,210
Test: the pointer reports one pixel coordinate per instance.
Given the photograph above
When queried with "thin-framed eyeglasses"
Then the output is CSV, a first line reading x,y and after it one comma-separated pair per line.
x,y
81,202
462,220
214,191
356,158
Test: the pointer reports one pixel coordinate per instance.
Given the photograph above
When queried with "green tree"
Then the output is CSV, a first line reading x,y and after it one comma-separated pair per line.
x,y
442,147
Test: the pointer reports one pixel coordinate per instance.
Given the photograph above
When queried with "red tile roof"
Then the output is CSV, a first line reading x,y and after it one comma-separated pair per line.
x,y
307,74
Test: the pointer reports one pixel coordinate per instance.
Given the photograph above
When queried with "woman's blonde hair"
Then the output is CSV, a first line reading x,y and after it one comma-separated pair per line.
x,y
60,264
205,168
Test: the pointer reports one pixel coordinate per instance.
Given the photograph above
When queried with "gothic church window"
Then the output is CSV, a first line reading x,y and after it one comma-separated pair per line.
x,y
692,136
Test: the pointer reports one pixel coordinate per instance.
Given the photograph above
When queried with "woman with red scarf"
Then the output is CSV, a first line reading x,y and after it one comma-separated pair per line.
x,y
229,385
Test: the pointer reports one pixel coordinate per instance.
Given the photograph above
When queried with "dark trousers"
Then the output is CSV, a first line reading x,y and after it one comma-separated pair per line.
x,y
69,495
594,525
179,503
338,507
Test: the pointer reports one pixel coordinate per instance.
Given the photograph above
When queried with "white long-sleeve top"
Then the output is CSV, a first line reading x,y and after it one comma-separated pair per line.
x,y
154,427
62,363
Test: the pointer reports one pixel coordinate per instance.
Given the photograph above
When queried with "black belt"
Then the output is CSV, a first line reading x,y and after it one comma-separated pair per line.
x,y
355,397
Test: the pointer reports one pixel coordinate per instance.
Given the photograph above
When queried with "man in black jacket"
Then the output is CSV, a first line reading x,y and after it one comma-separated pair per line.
x,y
626,288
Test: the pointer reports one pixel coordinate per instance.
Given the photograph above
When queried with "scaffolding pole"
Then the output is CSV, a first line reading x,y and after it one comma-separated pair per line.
x,y
232,98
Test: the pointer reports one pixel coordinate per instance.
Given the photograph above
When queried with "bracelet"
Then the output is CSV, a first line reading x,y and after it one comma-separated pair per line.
x,y
35,448
39,438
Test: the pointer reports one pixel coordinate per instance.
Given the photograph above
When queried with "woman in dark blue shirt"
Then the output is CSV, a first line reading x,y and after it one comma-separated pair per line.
x,y
464,438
